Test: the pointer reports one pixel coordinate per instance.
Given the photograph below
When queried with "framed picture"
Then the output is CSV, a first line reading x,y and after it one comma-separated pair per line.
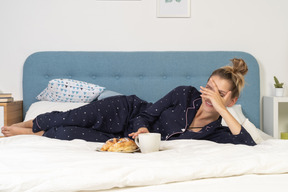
x,y
118,0
173,8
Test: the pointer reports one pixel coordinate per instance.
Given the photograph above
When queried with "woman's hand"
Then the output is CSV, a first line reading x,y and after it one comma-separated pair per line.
x,y
140,130
213,95
219,100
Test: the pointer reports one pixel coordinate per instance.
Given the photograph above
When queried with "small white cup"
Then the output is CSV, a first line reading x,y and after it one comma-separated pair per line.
x,y
148,142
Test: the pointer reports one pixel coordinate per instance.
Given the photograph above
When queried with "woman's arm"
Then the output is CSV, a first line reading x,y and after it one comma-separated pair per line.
x,y
219,103
231,122
152,113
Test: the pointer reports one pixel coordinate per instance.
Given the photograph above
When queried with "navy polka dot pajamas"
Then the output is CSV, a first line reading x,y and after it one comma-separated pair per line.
x,y
120,115
97,121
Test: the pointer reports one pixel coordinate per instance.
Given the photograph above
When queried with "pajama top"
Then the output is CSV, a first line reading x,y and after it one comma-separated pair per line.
x,y
120,115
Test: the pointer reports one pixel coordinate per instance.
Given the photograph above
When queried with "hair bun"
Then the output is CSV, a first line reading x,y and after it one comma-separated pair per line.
x,y
235,74
239,66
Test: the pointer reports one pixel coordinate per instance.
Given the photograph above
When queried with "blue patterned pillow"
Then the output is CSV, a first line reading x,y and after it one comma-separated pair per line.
x,y
69,90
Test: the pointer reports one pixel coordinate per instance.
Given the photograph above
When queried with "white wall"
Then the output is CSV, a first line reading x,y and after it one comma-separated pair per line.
x,y
259,27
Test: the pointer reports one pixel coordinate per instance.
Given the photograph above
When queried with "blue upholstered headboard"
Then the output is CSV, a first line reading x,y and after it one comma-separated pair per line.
x,y
149,75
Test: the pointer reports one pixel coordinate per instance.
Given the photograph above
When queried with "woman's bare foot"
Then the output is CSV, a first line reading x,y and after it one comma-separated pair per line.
x,y
14,130
24,124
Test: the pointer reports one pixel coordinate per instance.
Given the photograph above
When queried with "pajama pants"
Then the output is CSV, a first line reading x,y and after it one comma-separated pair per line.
x,y
97,121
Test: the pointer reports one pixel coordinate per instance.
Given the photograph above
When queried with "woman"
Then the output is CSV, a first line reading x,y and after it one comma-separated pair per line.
x,y
184,113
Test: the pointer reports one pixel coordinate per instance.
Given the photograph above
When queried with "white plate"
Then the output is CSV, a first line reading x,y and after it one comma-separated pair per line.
x,y
136,150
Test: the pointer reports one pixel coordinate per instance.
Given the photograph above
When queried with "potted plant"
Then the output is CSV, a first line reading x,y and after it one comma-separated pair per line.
x,y
279,90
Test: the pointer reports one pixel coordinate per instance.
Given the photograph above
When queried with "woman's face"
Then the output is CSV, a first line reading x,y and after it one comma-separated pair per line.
x,y
223,87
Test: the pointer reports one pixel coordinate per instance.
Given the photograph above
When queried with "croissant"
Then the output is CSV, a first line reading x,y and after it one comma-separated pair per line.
x,y
119,145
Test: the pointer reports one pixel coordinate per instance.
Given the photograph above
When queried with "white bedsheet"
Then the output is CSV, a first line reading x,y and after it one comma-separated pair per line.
x,y
34,163
242,183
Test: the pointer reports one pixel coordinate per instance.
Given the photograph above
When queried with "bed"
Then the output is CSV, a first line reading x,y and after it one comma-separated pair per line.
x,y
35,163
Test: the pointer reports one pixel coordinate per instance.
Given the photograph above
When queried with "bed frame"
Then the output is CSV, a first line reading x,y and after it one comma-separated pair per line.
x,y
149,75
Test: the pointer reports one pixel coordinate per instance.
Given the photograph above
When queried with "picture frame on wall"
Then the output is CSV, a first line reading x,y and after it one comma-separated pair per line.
x,y
173,8
118,0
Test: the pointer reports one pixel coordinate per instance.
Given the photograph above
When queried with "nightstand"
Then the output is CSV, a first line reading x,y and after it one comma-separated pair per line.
x,y
275,115
11,113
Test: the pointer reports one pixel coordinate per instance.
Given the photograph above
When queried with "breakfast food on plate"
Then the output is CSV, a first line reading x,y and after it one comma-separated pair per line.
x,y
119,145
109,143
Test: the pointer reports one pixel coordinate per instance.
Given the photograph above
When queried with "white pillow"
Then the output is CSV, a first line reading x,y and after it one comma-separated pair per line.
x,y
264,136
41,107
252,130
236,112
69,90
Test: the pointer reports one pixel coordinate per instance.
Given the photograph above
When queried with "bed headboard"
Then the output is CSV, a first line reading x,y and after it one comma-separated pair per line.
x,y
149,75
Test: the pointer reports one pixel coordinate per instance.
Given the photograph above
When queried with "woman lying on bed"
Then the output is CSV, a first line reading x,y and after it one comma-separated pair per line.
x,y
184,113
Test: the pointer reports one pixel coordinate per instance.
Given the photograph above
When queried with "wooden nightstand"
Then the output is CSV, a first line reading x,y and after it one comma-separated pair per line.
x,y
275,115
11,113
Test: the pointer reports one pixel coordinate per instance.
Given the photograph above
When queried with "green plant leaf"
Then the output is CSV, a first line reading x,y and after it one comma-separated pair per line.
x,y
277,83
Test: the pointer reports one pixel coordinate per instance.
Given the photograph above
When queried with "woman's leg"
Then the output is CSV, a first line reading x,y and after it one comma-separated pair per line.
x,y
24,124
72,132
23,128
108,115
98,121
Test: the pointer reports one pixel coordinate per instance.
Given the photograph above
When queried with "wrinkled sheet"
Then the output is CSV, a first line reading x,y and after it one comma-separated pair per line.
x,y
34,163
247,183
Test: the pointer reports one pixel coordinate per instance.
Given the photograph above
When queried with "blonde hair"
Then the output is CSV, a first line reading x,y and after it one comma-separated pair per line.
x,y
235,74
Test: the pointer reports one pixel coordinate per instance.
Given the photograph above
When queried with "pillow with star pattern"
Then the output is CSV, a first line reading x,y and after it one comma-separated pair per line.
x,y
70,90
